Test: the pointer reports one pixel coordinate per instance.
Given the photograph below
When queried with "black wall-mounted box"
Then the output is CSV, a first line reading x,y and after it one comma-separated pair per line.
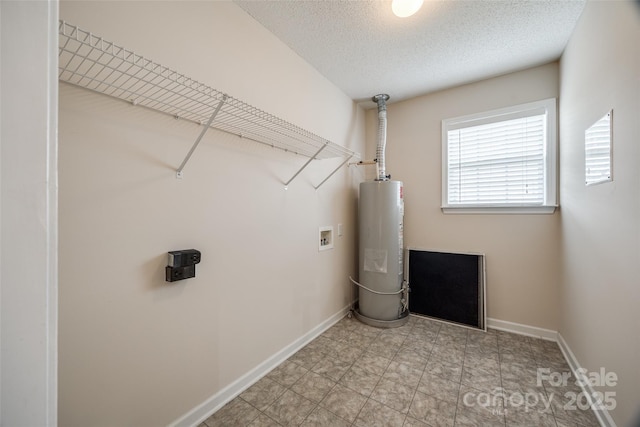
x,y
173,274
184,258
182,264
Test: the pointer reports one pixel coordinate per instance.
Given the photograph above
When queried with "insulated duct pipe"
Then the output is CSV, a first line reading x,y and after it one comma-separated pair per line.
x,y
381,100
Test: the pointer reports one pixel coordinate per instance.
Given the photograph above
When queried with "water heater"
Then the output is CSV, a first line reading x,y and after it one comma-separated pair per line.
x,y
382,291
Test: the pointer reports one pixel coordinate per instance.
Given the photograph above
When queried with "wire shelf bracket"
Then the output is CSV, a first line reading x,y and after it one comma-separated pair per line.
x,y
286,184
334,171
93,63
204,130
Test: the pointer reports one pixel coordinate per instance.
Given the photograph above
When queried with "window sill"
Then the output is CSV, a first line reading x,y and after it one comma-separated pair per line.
x,y
526,210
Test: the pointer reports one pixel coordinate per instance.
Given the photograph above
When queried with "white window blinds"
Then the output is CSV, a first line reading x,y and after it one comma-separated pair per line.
x,y
501,161
498,163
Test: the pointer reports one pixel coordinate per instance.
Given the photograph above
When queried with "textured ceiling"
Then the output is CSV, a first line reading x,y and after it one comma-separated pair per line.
x,y
364,49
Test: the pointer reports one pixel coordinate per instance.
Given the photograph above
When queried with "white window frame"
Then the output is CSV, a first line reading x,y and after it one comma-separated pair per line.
x,y
546,106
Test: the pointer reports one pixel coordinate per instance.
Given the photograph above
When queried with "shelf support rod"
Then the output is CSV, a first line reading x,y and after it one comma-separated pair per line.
x,y
306,164
334,171
204,130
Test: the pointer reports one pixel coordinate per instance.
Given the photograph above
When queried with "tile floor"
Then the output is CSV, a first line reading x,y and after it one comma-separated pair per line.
x,y
425,373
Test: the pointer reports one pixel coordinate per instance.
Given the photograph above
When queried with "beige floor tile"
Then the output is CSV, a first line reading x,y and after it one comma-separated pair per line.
x,y
529,419
235,413
450,354
287,373
359,380
307,357
375,414
484,362
412,358
444,369
439,387
481,379
320,344
412,422
313,386
373,364
468,418
419,334
435,412
263,393
344,402
403,374
331,367
264,421
454,330
290,409
482,350
572,407
383,349
395,395
320,417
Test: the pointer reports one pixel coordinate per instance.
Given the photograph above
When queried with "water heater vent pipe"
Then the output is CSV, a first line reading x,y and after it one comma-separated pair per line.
x,y
381,100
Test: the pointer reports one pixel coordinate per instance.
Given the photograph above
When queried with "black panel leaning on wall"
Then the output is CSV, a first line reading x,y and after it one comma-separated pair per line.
x,y
447,286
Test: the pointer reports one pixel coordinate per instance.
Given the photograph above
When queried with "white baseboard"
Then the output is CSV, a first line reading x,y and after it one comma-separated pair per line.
x,y
218,400
518,328
604,418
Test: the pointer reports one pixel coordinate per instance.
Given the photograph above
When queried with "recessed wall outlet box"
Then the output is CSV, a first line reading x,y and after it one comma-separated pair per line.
x,y
326,238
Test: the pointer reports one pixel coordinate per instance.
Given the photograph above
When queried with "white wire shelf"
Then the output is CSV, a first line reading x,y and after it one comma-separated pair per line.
x,y
93,63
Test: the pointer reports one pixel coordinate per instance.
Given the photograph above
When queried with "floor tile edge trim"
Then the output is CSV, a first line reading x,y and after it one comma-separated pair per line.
x,y
218,400
520,329
603,416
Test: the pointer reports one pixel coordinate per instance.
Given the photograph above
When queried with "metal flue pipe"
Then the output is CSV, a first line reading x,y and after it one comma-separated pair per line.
x,y
381,100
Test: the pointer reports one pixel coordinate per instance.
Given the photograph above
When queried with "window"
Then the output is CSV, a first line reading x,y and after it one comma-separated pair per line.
x,y
501,161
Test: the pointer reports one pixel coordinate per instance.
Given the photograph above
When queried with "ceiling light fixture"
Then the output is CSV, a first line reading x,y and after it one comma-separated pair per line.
x,y
405,8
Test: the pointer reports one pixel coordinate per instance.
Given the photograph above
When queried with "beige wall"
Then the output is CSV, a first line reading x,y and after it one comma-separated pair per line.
x,y
601,224
521,250
135,350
